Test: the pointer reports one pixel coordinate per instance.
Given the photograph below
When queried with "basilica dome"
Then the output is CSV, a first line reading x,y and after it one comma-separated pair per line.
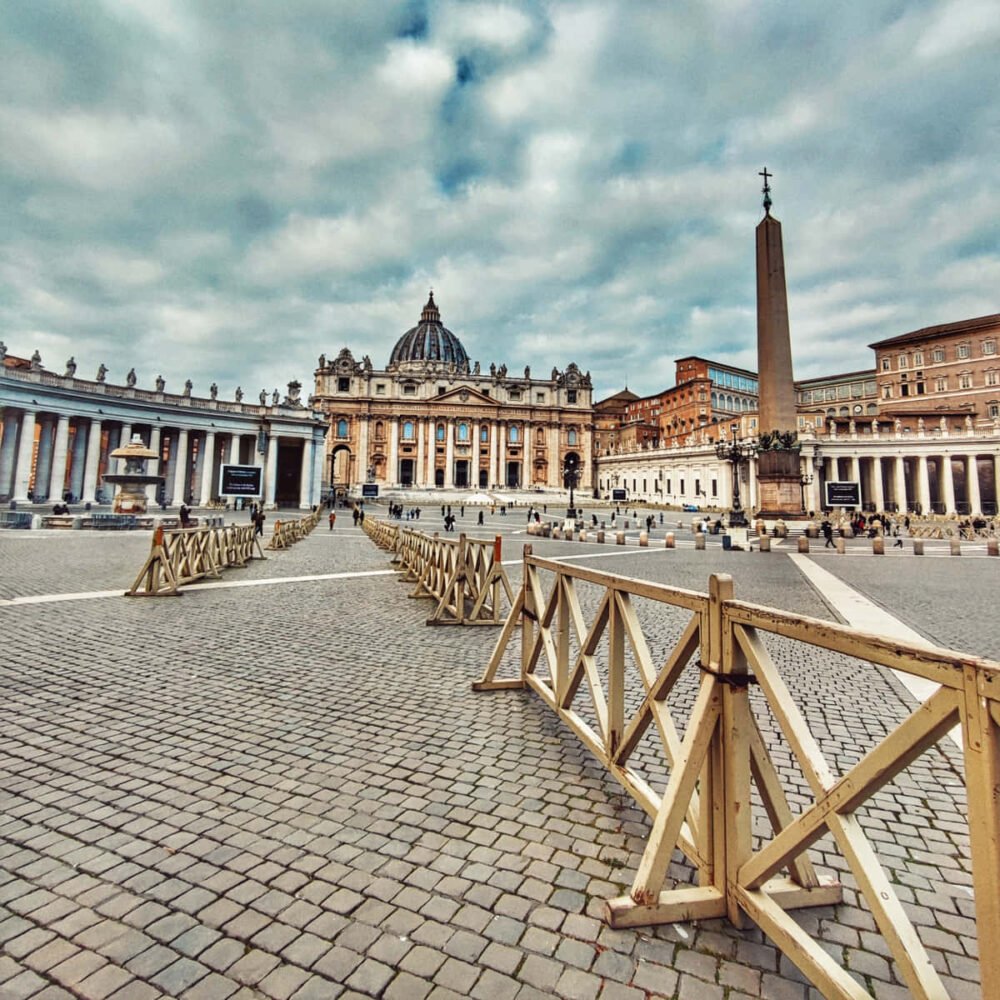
x,y
429,341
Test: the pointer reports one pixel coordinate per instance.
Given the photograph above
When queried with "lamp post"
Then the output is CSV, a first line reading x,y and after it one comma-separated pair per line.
x,y
805,480
571,476
736,451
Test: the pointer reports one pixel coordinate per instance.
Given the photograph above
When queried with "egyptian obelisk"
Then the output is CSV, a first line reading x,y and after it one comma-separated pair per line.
x,y
778,472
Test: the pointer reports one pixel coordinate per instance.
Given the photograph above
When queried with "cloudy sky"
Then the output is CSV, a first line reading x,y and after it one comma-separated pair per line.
x,y
223,190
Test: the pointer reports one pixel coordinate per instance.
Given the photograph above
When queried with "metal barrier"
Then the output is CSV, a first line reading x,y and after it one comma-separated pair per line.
x,y
705,809
15,518
181,556
464,575
286,533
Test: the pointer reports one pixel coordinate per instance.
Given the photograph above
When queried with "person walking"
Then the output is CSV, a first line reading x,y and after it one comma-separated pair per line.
x,y
332,519
827,529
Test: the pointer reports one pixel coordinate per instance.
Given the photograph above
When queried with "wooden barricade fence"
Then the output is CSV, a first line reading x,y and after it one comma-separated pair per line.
x,y
464,575
180,556
705,809
286,533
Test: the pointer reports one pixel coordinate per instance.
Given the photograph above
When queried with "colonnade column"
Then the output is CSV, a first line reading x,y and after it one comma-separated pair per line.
x,y
180,467
234,449
153,466
972,489
57,479
449,453
10,426
77,462
947,484
207,469
555,470
305,476
124,437
271,470
25,452
502,455
361,466
494,476
899,484
93,466
877,491
474,468
392,473
43,461
923,485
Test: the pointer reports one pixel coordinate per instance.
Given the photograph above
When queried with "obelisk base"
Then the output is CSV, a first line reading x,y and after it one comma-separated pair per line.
x,y
779,485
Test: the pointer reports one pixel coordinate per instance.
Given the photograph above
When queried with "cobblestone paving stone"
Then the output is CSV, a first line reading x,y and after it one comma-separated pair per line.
x,y
290,791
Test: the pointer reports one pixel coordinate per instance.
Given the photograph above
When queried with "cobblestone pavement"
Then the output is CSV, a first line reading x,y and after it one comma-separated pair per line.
x,y
289,790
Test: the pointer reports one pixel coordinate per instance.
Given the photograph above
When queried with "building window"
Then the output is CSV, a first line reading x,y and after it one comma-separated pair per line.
x,y
989,347
409,390
539,397
571,437
940,385
407,430
903,361
341,428
515,394
887,392
463,432
965,381
439,433
962,351
571,395
886,364
994,409
904,390
918,358
484,434
380,388
343,384
938,354
514,435
991,378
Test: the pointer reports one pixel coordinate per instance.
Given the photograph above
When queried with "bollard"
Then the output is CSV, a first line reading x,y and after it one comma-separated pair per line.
x,y
620,538
583,535
626,524
644,539
556,533
878,546
841,547
956,546
604,527
699,540
765,543
803,543
760,527
918,546
668,541
992,547
600,536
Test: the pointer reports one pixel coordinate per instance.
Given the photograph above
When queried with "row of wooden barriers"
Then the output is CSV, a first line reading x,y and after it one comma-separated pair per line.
x,y
464,576
182,556
597,672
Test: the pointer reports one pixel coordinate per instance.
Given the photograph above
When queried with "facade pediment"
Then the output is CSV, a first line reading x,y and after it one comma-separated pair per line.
x,y
465,394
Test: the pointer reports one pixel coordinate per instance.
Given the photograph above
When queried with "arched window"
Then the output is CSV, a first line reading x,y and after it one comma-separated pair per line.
x,y
463,432
379,431
514,435
341,428
484,434
571,436
407,430
715,400
439,433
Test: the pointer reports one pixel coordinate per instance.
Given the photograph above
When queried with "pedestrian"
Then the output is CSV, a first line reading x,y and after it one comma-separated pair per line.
x,y
333,519
185,515
480,517
259,518
361,516
356,514
827,529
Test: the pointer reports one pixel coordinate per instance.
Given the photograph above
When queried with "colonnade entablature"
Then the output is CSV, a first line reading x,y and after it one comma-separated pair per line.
x,y
57,433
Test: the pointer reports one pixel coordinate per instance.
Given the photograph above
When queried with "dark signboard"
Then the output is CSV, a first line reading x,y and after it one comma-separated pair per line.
x,y
619,495
843,494
241,481
369,490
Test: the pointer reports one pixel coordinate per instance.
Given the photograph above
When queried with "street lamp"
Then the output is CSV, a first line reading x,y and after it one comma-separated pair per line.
x,y
806,479
571,477
736,451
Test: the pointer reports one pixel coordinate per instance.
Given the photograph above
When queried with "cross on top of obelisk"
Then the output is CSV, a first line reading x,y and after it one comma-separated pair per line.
x,y
767,189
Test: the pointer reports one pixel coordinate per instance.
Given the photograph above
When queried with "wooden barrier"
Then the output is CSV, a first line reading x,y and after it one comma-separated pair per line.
x,y
286,533
464,575
706,807
184,555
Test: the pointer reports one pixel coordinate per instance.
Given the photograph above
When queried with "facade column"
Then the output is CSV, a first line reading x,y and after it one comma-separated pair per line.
x,y
877,493
78,457
25,453
855,469
7,450
319,457
502,454
899,484
180,468
234,449
449,454
972,487
474,465
93,466
492,476
124,438
43,461
363,460
421,474
207,469
305,476
392,476
57,478
153,466
947,484
271,470
555,466
923,485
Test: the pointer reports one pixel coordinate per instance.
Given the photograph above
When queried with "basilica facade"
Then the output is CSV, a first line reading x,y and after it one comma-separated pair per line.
x,y
433,418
